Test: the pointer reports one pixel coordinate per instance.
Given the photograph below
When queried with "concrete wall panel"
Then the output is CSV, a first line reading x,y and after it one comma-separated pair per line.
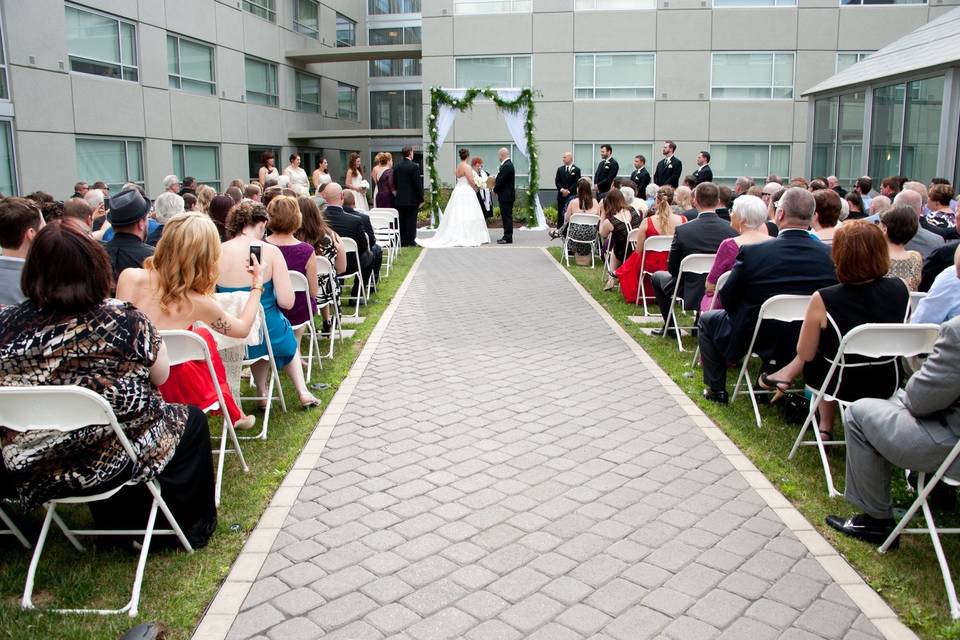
x,y
886,25
683,30
600,120
499,34
153,57
92,94
553,32
21,38
773,28
682,120
818,29
46,99
744,121
190,18
194,118
46,161
440,40
156,113
157,163
683,75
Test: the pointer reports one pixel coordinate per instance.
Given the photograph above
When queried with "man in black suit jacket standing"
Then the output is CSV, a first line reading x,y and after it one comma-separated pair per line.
x,y
702,235
505,188
409,186
703,173
793,263
606,171
568,174
670,168
640,176
348,225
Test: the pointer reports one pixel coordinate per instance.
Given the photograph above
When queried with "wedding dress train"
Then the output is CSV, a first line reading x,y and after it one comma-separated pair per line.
x,y
462,223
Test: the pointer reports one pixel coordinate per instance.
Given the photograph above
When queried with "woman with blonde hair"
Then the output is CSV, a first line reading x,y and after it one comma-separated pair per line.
x,y
205,195
355,182
174,290
660,221
683,200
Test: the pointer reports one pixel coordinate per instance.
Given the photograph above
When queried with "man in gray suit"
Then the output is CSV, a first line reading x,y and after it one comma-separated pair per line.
x,y
915,431
925,242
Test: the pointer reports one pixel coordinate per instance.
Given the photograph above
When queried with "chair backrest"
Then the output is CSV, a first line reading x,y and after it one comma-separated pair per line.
x,y
324,266
586,219
184,346
889,340
785,308
350,245
657,243
697,263
722,280
299,282
384,211
380,221
634,235
915,298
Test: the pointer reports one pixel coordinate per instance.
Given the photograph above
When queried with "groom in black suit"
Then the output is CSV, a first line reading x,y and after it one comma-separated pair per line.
x,y
670,168
505,189
409,186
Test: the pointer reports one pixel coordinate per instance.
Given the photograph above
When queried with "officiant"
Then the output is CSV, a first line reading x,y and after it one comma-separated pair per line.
x,y
483,195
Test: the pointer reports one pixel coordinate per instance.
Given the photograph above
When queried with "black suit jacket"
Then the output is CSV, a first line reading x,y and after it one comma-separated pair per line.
x,y
504,186
703,174
936,262
703,235
367,225
350,226
668,175
793,263
642,177
126,251
606,171
566,180
409,186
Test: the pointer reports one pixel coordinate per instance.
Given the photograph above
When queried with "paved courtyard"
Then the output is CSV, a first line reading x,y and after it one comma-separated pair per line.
x,y
506,466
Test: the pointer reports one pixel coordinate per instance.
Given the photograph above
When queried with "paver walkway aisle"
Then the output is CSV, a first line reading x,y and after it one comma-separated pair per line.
x,y
484,481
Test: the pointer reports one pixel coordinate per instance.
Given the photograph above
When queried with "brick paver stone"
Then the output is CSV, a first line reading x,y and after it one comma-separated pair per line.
x,y
486,480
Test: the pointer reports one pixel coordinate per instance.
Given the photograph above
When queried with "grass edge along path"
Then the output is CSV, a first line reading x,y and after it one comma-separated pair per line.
x,y
177,587
908,579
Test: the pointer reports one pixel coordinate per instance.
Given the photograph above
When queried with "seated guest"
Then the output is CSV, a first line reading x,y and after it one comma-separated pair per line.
x,y
174,290
77,211
205,195
616,222
941,219
167,205
702,235
878,204
726,201
189,201
749,219
864,188
794,263
661,222
70,332
683,198
583,202
650,194
235,194
629,192
350,226
349,202
284,221
827,214
128,218
219,208
20,221
863,295
855,203
924,241
916,431
942,302
252,192
899,225
935,263
246,225
315,231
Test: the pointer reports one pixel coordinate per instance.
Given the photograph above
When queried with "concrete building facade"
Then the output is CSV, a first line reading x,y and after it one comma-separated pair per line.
x,y
722,75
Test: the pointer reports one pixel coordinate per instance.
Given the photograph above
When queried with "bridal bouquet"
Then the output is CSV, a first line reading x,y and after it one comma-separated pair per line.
x,y
364,184
480,182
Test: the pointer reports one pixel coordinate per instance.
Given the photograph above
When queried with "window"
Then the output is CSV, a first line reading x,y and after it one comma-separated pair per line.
x,y
347,102
306,17
905,135
611,76
614,5
491,161
749,76
848,59
266,9
722,4
200,161
261,80
477,7
8,164
308,92
101,45
394,68
190,66
503,72
838,137
396,109
864,2
391,7
4,84
394,35
346,31
587,156
757,161
115,161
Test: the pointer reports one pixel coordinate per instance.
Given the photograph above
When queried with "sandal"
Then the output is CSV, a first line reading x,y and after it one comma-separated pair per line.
x,y
779,387
309,403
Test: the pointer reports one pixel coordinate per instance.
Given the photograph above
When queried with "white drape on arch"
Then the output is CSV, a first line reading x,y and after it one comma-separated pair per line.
x,y
515,121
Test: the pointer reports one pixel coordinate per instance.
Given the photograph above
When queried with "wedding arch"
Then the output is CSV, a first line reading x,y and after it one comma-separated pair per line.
x,y
517,108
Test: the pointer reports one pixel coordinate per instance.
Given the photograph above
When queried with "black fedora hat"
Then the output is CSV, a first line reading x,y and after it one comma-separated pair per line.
x,y
127,207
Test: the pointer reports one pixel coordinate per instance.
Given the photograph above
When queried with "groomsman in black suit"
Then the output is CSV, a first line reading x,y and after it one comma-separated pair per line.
x,y
703,173
606,171
505,188
409,186
640,176
567,176
670,168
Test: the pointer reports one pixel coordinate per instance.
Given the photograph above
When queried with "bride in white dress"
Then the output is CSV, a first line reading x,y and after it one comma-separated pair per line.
x,y
462,223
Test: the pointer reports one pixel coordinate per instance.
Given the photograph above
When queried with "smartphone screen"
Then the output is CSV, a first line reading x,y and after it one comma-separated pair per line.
x,y
254,251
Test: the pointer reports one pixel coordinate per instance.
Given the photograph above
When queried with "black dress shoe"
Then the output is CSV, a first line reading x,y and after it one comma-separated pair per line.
x,y
504,241
720,397
864,527
663,331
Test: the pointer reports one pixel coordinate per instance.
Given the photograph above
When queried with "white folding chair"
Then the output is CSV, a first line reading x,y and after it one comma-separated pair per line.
x,y
693,264
924,486
915,298
325,268
12,529
714,303
350,246
300,285
186,346
274,383
653,243
64,409
386,236
882,342
784,308
589,223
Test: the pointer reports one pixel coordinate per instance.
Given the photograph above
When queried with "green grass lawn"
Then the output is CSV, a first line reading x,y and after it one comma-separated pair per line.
x,y
909,579
177,587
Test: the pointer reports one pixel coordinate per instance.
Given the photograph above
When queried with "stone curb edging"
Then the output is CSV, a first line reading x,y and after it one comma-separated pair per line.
x,y
869,601
223,610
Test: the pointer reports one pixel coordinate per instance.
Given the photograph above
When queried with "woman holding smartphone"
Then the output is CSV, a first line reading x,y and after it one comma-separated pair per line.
x,y
246,222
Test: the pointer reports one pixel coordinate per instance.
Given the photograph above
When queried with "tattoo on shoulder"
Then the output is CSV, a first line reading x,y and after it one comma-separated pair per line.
x,y
220,325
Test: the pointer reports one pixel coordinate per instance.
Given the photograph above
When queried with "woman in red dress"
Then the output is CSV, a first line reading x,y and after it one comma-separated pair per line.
x,y
174,290
661,222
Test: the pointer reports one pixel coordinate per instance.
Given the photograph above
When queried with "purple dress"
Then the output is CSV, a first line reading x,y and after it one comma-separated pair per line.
x,y
385,190
297,256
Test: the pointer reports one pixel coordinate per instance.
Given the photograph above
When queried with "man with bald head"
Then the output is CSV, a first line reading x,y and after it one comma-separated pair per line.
x,y
925,242
566,181
505,189
795,262
348,225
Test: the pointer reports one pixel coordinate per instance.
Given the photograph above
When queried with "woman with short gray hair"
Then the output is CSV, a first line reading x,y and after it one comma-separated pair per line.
x,y
749,218
167,205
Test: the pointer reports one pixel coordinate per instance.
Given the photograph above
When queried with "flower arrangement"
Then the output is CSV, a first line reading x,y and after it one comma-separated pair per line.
x,y
480,182
364,184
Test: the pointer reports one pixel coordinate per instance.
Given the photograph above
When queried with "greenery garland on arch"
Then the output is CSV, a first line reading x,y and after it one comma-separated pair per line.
x,y
440,98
